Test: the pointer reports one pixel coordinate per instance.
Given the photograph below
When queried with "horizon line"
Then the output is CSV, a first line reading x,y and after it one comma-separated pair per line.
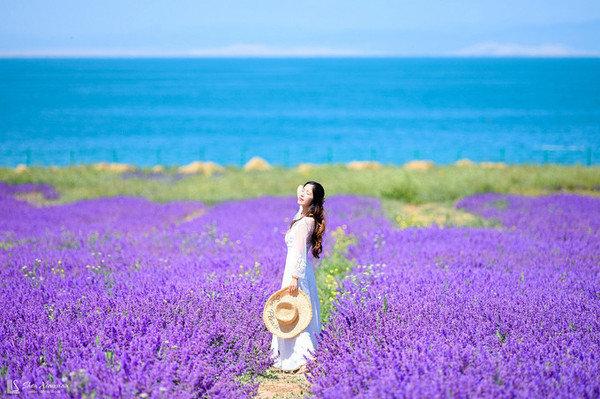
x,y
479,50
485,49
7,56
488,49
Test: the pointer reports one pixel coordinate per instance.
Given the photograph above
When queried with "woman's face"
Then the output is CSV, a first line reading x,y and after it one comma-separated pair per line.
x,y
306,195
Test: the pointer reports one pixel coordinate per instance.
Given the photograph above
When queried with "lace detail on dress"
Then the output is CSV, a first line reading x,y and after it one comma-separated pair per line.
x,y
300,267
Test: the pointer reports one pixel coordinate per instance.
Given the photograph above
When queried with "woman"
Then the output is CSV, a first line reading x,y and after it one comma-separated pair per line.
x,y
306,231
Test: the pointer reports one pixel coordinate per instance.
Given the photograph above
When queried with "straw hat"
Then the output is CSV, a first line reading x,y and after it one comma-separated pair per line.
x,y
287,315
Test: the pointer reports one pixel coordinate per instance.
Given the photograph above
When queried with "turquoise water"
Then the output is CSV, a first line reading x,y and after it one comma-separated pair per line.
x,y
174,111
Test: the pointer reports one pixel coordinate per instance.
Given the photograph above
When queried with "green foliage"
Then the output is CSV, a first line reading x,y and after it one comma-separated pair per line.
x,y
406,191
332,270
440,184
436,213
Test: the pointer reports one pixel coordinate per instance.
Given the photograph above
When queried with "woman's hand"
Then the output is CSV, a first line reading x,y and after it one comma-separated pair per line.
x,y
294,285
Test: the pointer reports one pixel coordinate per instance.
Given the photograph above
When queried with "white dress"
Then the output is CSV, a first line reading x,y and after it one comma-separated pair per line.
x,y
290,353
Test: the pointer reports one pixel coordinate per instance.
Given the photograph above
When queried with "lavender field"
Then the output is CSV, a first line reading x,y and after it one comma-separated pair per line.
x,y
126,297
463,312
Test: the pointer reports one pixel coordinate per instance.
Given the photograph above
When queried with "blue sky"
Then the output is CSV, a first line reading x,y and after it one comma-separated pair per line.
x,y
300,28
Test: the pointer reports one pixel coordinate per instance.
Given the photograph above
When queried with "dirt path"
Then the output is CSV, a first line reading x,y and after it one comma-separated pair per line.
x,y
276,384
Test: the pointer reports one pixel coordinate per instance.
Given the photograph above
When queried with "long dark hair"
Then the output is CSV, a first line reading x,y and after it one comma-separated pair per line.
x,y
317,212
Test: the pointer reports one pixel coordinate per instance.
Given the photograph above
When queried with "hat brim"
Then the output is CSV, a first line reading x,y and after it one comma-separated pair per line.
x,y
302,302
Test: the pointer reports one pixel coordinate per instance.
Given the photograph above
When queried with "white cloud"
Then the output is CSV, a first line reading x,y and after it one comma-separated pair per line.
x,y
508,50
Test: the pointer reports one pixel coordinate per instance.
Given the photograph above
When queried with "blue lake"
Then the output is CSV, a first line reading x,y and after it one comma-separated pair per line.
x,y
288,111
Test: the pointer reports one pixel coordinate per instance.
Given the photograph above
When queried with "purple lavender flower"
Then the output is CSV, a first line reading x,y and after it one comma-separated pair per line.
x,y
122,296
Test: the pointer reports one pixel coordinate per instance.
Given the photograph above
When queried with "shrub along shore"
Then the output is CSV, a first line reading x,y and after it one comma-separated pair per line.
x,y
417,182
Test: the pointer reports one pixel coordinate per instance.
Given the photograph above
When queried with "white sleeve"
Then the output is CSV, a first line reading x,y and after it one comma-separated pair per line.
x,y
305,227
